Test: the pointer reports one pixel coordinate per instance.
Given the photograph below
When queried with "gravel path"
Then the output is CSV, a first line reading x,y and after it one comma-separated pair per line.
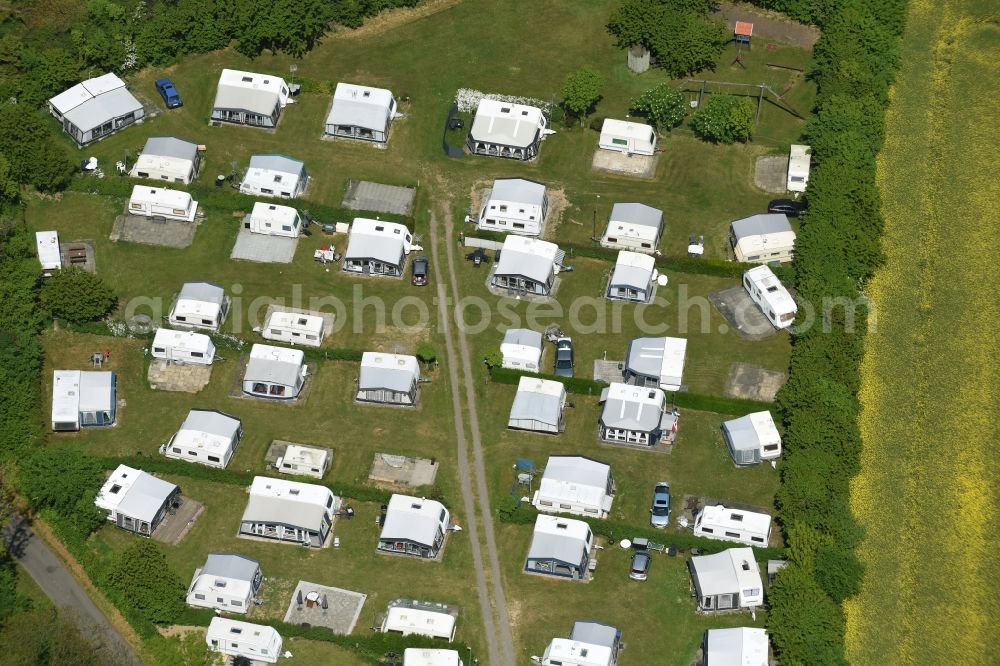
x,y
499,640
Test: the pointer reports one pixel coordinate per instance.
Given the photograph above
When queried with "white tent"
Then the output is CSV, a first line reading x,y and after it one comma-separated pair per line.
x,y
628,138
136,501
289,511
521,349
375,247
274,372
47,244
183,347
161,202
95,108
361,112
503,129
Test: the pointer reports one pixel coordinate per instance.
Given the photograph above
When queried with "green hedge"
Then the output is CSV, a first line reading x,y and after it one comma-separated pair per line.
x,y
583,386
371,646
836,250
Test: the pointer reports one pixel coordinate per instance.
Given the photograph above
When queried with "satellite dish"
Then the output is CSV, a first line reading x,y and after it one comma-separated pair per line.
x,y
662,280
625,543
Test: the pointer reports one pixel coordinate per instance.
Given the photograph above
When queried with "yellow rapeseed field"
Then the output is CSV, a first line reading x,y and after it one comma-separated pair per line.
x,y
927,493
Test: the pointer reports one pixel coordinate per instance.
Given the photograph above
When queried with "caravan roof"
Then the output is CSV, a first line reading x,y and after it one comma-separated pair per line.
x,y
170,146
238,574
65,396
257,93
102,109
297,321
576,480
207,429
506,124
288,502
84,91
277,365
722,517
632,407
47,244
637,215
733,570
633,269
425,657
275,162
752,431
420,618
626,128
736,646
761,225
263,638
558,538
538,400
305,455
414,519
395,372
134,493
161,196
658,357
360,106
777,297
518,190
185,340
533,258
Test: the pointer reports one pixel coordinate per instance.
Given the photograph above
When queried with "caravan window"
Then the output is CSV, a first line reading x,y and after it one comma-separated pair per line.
x,y
136,206
647,245
620,142
180,317
757,539
207,322
142,174
733,535
159,350
214,459
198,354
264,190
329,502
275,331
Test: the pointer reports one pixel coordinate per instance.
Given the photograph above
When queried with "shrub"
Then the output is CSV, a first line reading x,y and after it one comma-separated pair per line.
x,y
77,296
663,106
724,119
141,578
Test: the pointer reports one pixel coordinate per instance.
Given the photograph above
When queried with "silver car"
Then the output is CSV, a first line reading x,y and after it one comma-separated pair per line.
x,y
659,510
640,565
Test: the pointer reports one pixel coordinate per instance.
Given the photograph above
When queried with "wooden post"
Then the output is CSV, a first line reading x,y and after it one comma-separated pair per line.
x,y
760,99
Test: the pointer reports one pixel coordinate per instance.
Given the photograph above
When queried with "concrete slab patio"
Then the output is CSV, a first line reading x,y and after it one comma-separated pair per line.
x,y
637,166
752,382
365,195
771,172
144,230
263,248
402,470
166,376
341,614
742,313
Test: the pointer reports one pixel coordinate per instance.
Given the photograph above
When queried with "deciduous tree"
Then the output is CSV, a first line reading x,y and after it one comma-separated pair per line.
x,y
77,296
582,90
724,119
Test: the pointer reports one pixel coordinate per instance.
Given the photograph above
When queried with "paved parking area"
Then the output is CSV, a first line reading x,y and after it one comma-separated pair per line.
x,y
263,248
365,195
403,471
176,525
742,313
752,382
343,607
165,376
166,233
639,166
771,173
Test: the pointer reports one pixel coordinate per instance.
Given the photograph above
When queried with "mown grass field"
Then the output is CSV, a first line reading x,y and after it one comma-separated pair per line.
x,y
476,44
927,491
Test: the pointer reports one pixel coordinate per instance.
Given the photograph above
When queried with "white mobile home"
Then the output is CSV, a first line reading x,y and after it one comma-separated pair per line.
x,y
763,238
95,108
590,644
527,266
409,617
559,547
515,205
47,245
521,349
736,646
799,160
294,328
389,379
377,248
207,437
635,415
83,398
304,461
729,580
161,202
275,176
233,638
274,372
137,501
718,522
633,226
770,295
425,657
273,220
361,112
246,98
752,438
200,305
656,362
503,129
628,138
289,511
632,278
168,158
577,485
227,582
538,406
414,526
183,347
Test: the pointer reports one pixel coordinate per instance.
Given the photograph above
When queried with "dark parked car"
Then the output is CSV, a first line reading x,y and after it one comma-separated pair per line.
x,y
169,93
478,257
789,207
659,509
421,267
640,565
564,357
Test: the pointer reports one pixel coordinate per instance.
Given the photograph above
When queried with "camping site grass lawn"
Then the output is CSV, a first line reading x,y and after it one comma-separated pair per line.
x,y
601,328
475,44
926,493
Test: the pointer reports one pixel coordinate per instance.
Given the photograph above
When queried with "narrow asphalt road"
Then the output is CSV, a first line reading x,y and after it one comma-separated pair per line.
x,y
67,595
500,649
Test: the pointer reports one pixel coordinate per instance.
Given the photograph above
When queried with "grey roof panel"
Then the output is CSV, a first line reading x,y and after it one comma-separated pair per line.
x,y
594,633
638,214
519,190
285,511
630,415
211,422
577,469
392,379
272,371
230,565
103,108
380,248
170,146
633,277
742,434
277,163
562,548
530,406
262,102
145,497
203,291
765,223
522,336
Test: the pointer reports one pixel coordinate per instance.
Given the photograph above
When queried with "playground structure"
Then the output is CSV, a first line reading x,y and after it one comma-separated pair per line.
x,y
760,91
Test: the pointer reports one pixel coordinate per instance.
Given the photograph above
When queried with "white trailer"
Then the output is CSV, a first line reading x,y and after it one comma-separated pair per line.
x,y
628,138
294,328
273,220
161,202
47,243
770,296
722,524
182,347
799,161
